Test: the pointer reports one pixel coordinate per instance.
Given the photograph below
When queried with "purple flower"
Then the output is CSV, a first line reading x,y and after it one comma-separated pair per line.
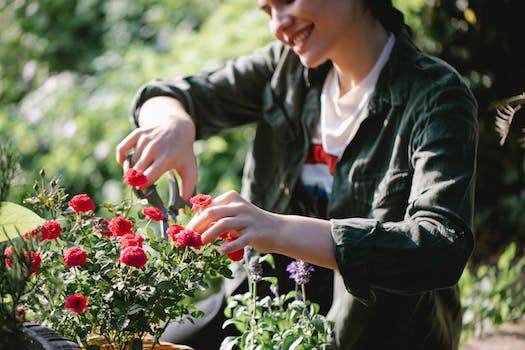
x,y
300,271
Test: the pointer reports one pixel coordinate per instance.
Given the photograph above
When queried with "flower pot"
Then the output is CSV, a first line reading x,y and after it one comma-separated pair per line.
x,y
147,343
38,337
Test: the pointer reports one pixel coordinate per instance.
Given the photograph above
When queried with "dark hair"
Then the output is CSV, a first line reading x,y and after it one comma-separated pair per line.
x,y
390,17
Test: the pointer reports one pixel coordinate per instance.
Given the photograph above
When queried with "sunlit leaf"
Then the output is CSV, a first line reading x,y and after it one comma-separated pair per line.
x,y
15,219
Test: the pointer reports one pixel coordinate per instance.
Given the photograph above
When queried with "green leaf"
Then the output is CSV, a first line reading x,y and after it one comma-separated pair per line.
x,y
135,309
228,343
272,280
268,258
15,218
507,257
296,343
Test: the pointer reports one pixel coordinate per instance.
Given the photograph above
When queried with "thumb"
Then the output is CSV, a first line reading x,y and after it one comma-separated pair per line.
x,y
188,177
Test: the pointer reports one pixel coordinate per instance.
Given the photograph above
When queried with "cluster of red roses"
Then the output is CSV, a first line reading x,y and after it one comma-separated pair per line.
x,y
131,243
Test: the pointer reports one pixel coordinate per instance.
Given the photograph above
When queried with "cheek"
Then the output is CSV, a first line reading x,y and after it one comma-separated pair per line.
x,y
273,29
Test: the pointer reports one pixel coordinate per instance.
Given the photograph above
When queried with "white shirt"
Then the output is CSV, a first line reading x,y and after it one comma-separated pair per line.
x,y
339,121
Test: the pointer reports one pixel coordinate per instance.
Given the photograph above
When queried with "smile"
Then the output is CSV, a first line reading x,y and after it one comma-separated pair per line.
x,y
300,40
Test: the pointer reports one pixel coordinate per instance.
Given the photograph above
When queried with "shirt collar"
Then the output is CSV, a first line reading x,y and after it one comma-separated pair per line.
x,y
392,85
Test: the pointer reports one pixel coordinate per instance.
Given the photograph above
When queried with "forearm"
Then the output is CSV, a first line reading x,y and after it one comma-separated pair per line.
x,y
306,239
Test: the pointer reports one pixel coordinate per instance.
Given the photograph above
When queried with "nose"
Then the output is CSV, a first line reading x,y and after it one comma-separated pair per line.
x,y
280,21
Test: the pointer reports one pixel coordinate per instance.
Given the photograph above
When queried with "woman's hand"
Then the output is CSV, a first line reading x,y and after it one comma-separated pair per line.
x,y
230,212
163,142
298,237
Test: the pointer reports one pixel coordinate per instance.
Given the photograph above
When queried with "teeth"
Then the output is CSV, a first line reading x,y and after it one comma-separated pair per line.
x,y
298,40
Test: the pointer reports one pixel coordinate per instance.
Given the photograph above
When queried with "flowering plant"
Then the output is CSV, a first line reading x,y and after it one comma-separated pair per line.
x,y
280,321
114,276
18,264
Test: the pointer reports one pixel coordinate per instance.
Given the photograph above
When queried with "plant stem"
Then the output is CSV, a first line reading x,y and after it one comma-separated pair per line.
x,y
254,307
303,292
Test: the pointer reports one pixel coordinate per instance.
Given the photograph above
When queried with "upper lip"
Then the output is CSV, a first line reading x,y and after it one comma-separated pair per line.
x,y
294,35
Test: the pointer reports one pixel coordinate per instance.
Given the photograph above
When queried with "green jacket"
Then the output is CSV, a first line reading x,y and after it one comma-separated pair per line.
x,y
402,200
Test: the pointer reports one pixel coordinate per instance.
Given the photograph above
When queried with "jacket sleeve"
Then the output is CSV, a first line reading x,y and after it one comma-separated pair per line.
x,y
430,247
221,99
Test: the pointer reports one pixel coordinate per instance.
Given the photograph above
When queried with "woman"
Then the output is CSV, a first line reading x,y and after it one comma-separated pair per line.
x,y
356,127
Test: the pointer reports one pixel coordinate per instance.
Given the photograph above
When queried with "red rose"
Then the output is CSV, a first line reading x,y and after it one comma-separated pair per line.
x,y
20,312
135,178
153,213
229,236
196,240
236,255
133,256
200,202
103,228
51,230
75,257
8,253
34,259
30,234
77,303
81,203
120,226
174,230
188,238
131,240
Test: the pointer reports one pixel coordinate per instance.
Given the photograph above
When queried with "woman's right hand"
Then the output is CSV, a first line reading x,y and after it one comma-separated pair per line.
x,y
163,142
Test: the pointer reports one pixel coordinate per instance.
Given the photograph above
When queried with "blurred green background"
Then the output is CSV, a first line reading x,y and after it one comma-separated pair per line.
x,y
69,70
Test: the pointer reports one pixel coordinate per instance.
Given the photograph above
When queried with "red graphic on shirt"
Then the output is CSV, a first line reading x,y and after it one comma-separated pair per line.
x,y
317,155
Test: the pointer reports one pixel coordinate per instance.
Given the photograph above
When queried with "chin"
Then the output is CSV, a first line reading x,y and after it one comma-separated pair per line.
x,y
311,62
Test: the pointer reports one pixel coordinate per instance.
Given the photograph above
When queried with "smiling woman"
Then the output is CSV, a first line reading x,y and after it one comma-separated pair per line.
x,y
363,163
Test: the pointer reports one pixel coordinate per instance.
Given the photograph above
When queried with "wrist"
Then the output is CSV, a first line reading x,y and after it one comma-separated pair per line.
x,y
164,110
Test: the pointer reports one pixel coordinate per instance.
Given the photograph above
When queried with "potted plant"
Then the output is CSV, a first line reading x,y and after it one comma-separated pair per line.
x,y
112,282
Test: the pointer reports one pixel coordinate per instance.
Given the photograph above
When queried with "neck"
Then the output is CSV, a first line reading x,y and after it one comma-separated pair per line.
x,y
357,54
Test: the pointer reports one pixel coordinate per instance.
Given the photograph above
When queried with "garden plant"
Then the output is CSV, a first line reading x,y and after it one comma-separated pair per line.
x,y
113,280
278,321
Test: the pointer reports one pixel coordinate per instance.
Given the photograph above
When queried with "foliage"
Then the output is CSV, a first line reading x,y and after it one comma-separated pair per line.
x,y
126,299
274,322
15,218
492,295
72,122
8,166
49,36
506,111
13,287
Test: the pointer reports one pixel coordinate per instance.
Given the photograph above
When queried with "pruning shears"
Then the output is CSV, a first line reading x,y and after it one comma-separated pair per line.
x,y
175,201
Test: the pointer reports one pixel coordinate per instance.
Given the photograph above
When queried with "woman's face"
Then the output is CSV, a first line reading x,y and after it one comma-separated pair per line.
x,y
314,29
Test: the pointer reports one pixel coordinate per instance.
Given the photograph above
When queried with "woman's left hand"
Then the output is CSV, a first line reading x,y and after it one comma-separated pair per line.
x,y
230,212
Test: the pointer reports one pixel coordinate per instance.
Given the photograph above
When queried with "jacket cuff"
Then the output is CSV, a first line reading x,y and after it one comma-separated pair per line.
x,y
177,89
353,240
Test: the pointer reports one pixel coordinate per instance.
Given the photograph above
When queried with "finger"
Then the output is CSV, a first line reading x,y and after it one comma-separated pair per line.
x,y
213,213
237,244
141,144
153,172
147,157
221,226
128,143
188,177
227,197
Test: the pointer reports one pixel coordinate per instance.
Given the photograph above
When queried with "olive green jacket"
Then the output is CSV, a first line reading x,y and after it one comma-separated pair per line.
x,y
402,200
